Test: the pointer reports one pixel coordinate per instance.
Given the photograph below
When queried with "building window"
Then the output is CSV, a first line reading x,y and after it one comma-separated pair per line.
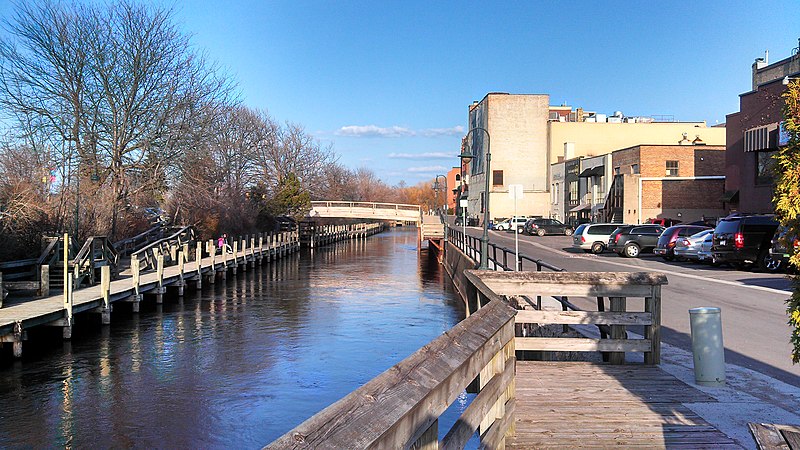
x,y
497,178
635,169
458,177
482,202
573,192
764,166
672,168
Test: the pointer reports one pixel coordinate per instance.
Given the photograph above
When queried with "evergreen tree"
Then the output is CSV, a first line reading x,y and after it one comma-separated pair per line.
x,y
787,201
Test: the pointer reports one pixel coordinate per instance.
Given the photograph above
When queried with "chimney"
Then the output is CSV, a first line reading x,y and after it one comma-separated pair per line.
x,y
569,150
759,64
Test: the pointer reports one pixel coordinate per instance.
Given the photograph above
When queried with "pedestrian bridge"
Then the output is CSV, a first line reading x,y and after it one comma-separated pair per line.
x,y
364,210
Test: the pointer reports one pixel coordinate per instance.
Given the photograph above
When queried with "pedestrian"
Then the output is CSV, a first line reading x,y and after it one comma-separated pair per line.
x,y
225,243
221,243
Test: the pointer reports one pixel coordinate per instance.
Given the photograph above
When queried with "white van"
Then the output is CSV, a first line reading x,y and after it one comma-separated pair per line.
x,y
593,237
509,224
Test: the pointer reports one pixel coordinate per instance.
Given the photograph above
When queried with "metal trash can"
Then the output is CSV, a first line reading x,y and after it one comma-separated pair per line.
x,y
707,347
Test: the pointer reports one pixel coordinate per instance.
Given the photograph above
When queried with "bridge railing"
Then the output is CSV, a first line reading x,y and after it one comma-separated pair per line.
x,y
370,205
401,407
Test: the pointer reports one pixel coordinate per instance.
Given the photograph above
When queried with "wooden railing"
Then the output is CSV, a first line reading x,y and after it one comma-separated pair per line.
x,y
616,286
401,407
127,246
168,246
97,251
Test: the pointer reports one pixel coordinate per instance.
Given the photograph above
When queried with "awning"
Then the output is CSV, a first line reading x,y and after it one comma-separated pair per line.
x,y
730,196
592,172
580,207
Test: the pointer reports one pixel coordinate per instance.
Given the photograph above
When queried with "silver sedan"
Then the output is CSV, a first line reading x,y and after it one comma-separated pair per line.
x,y
688,247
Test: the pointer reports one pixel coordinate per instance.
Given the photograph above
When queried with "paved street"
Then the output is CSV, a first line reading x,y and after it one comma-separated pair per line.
x,y
755,331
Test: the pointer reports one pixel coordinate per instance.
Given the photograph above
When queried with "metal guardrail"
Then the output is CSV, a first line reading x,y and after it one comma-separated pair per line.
x,y
499,256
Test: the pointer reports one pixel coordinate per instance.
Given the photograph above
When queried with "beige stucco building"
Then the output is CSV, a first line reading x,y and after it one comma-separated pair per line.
x,y
528,135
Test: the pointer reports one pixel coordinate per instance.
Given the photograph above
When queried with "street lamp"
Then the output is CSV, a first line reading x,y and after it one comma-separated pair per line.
x,y
437,187
484,265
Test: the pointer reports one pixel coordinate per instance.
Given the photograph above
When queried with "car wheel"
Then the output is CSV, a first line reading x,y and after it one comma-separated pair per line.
x,y
568,232
598,247
540,232
631,250
768,264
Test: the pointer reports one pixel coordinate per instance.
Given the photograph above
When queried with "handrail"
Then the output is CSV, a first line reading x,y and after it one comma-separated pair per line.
x,y
617,286
374,205
129,245
400,407
175,235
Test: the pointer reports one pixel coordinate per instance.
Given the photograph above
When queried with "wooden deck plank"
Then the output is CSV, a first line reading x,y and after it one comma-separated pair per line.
x,y
587,405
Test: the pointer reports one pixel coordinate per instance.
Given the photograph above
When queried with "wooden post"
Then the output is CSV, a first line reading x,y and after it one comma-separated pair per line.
x,y
66,266
160,274
213,278
173,252
652,305
617,331
181,284
260,248
253,258
198,258
67,328
44,281
185,250
235,256
137,295
18,336
105,289
429,439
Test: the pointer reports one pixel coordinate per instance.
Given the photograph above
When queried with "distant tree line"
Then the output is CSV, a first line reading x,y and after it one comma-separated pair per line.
x,y
112,116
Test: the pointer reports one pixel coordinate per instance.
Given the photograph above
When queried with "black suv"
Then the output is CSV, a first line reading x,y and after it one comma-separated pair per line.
x,y
630,240
744,240
541,226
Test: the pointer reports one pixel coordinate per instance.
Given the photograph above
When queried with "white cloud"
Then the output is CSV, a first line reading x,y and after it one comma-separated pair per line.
x,y
428,155
396,131
452,131
374,131
427,169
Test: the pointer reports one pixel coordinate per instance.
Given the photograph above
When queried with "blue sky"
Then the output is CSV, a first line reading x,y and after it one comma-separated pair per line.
x,y
388,83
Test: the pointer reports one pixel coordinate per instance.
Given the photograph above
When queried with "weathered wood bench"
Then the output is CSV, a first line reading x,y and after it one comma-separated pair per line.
x,y
770,436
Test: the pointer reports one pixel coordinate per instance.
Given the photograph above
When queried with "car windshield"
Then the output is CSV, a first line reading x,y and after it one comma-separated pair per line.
x,y
701,234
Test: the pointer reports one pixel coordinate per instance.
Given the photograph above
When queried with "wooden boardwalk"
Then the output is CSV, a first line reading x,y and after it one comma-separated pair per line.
x,y
18,317
585,405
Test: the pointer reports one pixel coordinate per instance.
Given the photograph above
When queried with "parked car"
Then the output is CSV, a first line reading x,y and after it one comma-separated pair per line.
x,y
688,247
509,224
668,239
664,222
705,254
541,226
631,240
743,240
782,242
593,237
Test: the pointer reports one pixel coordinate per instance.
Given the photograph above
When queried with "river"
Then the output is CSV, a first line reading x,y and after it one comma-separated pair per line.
x,y
236,365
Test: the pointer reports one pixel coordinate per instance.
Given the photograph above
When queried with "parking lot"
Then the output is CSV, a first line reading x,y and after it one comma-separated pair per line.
x,y
755,329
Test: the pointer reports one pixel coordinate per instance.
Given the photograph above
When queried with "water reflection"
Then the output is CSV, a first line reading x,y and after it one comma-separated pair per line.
x,y
235,365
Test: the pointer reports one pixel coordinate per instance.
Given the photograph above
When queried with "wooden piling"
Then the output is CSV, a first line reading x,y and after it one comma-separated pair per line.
x,y
160,275
105,290
44,281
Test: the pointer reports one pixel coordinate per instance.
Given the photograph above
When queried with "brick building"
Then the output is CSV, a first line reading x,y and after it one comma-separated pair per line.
x,y
453,184
753,137
528,136
684,182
